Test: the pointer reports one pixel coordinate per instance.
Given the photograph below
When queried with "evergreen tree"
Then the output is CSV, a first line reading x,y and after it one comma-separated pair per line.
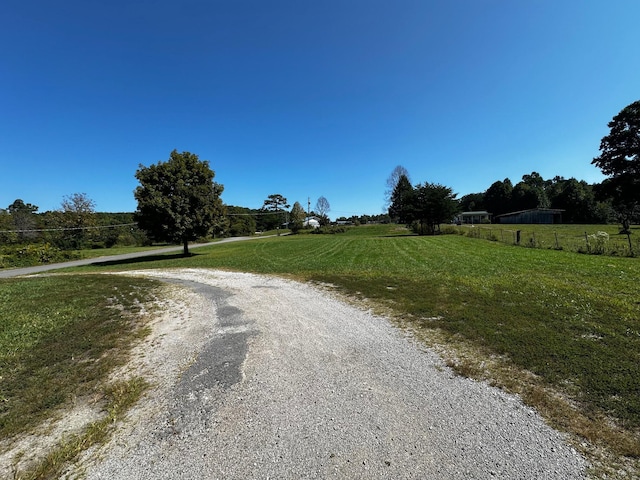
x,y
401,209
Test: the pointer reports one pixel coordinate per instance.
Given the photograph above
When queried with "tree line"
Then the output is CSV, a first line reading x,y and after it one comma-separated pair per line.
x,y
179,201
579,200
74,225
616,199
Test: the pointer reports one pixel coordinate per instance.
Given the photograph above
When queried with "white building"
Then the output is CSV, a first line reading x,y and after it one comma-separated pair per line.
x,y
312,222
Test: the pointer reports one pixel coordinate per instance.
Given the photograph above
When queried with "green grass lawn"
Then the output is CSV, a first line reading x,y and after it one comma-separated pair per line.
x,y
60,338
571,320
561,329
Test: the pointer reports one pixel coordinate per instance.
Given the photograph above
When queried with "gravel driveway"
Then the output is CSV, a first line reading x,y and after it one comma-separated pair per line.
x,y
264,378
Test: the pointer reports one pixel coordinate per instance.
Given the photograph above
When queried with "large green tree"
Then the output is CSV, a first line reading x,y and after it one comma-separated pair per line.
x,y
434,204
619,159
178,201
424,206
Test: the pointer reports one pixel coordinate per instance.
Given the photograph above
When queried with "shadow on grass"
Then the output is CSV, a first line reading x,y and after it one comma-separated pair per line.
x,y
394,235
145,259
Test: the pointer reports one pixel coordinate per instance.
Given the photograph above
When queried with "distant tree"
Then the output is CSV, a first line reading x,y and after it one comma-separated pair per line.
x,y
322,209
554,188
7,235
577,199
18,207
77,219
221,224
620,194
276,204
619,159
392,182
524,197
402,207
472,202
23,219
241,221
538,187
120,231
381,218
497,198
178,201
297,217
434,204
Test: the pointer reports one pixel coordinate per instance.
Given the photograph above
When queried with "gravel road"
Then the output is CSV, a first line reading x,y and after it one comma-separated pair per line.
x,y
263,378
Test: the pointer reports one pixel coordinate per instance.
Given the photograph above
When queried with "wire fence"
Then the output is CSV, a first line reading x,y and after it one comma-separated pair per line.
x,y
590,241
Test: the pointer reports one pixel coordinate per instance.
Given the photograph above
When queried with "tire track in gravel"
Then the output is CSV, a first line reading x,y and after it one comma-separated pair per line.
x,y
290,382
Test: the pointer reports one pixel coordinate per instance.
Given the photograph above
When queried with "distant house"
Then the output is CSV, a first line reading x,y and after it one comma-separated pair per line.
x,y
534,215
313,222
474,217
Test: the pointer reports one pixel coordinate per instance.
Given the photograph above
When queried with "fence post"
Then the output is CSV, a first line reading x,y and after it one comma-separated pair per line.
x,y
517,237
533,237
630,245
557,246
502,235
586,239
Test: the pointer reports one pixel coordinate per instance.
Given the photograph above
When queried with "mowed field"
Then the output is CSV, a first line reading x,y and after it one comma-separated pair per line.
x,y
559,328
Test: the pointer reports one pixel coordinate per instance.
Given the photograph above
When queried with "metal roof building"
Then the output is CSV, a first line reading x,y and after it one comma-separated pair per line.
x,y
534,215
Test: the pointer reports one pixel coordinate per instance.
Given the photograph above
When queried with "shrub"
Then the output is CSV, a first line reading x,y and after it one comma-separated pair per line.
x,y
330,229
598,242
449,230
34,254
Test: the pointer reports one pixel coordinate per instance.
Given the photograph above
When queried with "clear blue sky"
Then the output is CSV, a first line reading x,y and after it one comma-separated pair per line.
x,y
307,98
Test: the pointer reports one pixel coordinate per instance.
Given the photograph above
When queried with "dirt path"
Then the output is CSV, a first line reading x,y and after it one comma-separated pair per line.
x,y
259,377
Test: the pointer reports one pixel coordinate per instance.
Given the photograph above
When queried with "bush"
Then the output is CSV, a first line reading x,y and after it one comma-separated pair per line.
x,y
330,229
34,254
598,242
450,230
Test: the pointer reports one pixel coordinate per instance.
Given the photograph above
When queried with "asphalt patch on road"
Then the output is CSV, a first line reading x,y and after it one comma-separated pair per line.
x,y
218,366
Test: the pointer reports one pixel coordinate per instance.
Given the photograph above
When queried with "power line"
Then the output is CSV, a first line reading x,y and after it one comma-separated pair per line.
x,y
68,229
252,214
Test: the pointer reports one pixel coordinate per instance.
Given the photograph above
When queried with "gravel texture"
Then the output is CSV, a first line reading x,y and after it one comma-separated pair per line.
x,y
265,378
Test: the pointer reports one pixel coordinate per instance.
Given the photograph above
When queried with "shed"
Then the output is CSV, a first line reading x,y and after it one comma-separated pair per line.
x,y
534,215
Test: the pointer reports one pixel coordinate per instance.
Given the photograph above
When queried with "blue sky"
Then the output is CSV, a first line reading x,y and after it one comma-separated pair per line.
x,y
307,98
